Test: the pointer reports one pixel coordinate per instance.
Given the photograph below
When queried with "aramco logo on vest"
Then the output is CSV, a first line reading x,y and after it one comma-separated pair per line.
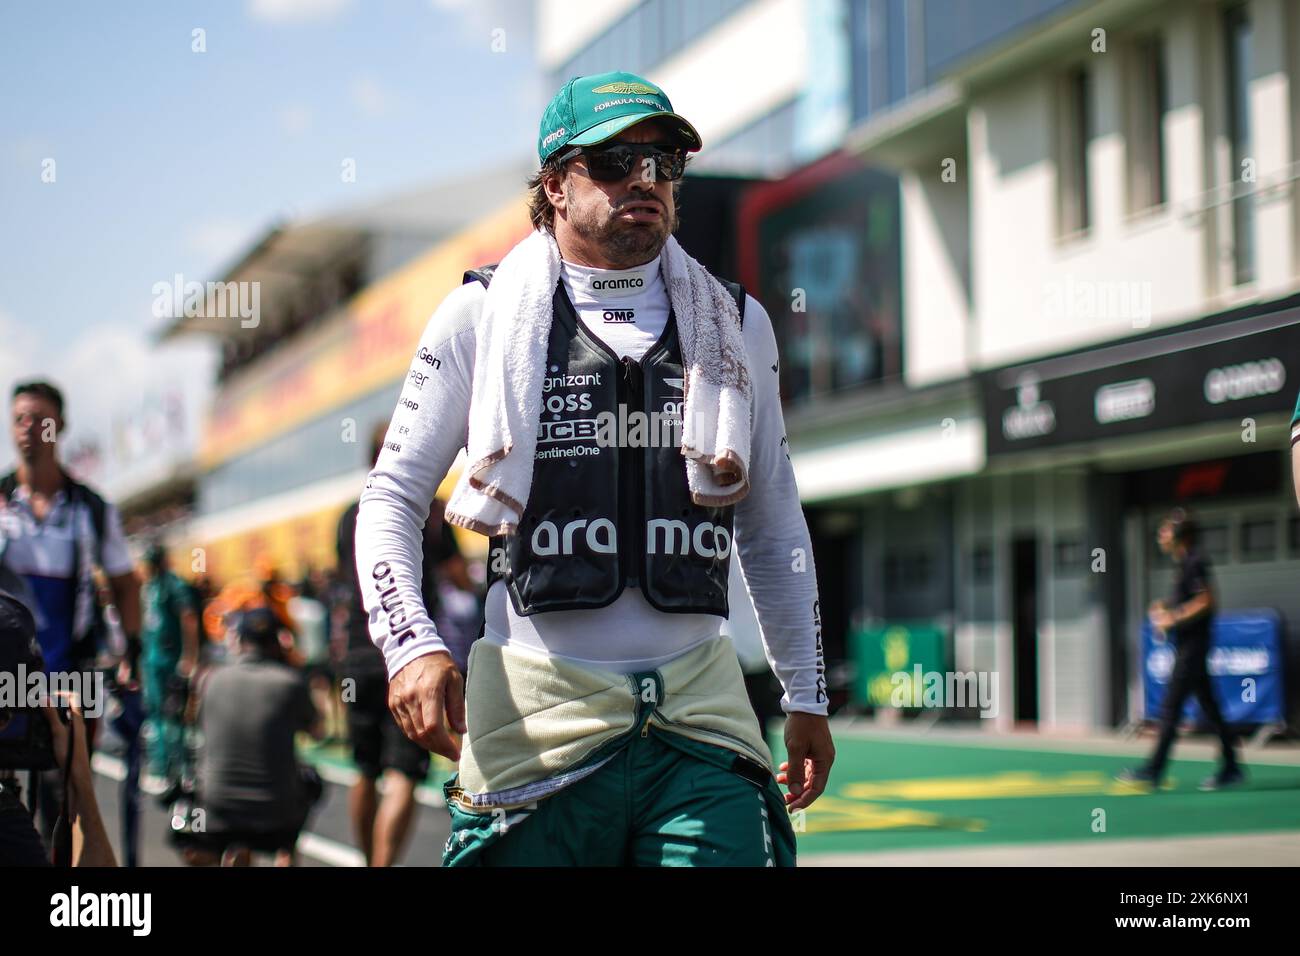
x,y
600,536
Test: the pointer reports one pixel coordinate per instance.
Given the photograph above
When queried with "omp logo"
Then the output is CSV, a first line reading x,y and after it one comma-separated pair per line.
x,y
679,538
550,540
626,88
620,315
552,137
605,285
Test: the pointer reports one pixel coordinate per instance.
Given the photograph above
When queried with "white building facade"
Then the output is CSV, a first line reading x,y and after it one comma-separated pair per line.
x,y
1100,245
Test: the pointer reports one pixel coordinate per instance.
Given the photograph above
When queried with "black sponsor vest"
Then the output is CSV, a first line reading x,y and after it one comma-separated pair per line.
x,y
609,506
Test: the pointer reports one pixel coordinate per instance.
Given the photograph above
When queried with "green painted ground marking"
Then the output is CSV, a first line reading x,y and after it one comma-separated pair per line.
x,y
892,794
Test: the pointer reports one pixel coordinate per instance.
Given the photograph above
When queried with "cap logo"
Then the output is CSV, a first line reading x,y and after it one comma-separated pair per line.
x,y
626,88
553,137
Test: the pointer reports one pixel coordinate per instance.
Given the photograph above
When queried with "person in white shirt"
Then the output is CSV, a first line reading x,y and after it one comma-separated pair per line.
x,y
601,625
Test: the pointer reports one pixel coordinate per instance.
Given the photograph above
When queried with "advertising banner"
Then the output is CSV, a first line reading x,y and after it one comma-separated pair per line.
x,y
1246,663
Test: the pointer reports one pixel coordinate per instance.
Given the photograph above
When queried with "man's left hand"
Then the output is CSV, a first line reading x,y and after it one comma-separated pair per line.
x,y
809,753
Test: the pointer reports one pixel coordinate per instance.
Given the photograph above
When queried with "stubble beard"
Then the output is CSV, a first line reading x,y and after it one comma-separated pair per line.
x,y
626,244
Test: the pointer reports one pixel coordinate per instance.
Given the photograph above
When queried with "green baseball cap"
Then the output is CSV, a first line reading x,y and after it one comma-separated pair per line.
x,y
591,109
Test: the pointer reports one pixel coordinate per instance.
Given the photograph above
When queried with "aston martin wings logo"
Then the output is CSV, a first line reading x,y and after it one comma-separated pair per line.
x,y
674,383
626,88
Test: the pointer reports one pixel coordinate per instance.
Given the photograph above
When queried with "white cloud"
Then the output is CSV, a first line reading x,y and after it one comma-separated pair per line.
x,y
142,373
20,358
295,120
30,150
108,375
369,96
479,18
217,240
296,11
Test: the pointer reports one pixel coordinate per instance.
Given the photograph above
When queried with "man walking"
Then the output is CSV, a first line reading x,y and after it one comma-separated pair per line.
x,y
379,748
170,653
1187,620
620,411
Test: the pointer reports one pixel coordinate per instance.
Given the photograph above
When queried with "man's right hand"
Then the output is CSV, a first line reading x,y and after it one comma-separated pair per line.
x,y
427,699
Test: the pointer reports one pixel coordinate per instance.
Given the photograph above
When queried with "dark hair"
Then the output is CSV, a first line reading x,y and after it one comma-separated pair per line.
x,y
1183,527
259,628
540,210
41,390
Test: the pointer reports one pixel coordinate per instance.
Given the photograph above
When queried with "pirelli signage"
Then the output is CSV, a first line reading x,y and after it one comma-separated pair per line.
x,y
1225,368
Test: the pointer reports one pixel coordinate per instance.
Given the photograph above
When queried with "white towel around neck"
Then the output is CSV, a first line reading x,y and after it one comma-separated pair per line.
x,y
510,362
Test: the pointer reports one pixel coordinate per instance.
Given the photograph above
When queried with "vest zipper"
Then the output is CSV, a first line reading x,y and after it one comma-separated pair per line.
x,y
634,379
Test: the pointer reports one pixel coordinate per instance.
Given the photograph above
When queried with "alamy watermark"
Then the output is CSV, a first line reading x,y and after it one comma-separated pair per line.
x,y
935,689
1098,300
22,688
623,428
213,300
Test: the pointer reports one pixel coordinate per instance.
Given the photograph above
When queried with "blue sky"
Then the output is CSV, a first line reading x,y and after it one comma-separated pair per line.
x,y
168,160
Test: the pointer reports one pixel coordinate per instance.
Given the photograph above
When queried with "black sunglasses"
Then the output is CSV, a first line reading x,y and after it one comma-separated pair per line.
x,y
610,164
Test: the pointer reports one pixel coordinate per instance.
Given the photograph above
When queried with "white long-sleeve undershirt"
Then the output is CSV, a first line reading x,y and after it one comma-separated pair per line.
x,y
429,428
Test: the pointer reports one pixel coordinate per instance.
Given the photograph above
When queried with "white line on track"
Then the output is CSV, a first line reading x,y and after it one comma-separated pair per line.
x,y
329,851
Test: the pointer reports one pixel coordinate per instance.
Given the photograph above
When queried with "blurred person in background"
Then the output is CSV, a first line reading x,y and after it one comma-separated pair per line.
x,y
254,794
1186,619
54,531
20,844
379,748
169,656
125,717
311,616
456,610
1295,448
276,593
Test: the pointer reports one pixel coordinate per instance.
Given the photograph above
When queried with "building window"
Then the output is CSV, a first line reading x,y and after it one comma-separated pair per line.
x,y
649,33
1074,133
1259,539
1069,558
1215,542
1148,104
828,270
908,571
1238,68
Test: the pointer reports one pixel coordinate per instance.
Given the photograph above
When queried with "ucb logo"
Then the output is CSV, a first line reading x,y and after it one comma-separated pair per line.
x,y
678,538
549,540
428,358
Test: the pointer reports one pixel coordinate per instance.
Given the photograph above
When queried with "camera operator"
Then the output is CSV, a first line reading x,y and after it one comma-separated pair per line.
x,y
20,844
254,794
